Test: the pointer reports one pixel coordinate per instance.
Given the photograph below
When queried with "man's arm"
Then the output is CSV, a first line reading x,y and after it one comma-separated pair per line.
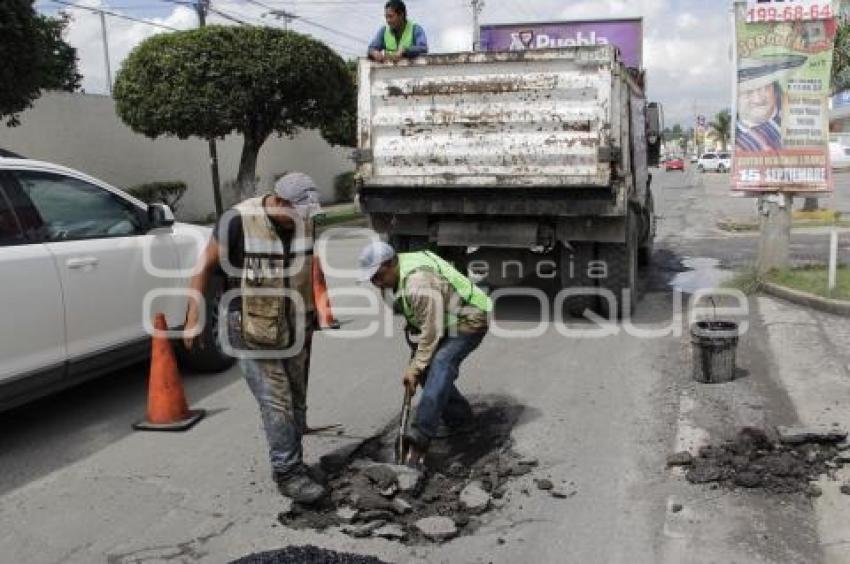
x,y
376,47
427,302
209,262
420,43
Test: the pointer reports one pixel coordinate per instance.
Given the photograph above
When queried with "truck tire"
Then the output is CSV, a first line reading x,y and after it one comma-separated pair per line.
x,y
622,266
647,244
206,354
573,273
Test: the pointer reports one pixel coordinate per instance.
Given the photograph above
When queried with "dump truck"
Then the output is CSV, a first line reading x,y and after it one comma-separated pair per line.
x,y
515,165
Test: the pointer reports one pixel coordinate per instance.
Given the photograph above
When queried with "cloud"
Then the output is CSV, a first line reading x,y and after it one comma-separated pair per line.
x,y
686,51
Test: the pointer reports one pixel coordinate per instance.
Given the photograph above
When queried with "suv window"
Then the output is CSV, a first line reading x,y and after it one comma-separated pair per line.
x,y
73,209
709,156
10,230
725,156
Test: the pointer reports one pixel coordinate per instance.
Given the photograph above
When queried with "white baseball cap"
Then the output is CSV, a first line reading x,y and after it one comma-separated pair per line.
x,y
372,257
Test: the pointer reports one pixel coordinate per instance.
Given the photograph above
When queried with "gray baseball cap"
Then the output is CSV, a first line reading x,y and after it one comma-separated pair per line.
x,y
372,257
299,190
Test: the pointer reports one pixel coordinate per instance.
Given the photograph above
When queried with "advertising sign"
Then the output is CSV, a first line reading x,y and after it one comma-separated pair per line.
x,y
788,10
782,121
626,34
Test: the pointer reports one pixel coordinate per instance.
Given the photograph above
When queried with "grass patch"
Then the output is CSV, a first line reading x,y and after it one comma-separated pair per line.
x,y
825,216
813,280
746,281
340,215
751,227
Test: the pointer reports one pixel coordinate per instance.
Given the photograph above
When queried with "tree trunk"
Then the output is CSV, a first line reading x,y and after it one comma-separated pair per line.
x,y
246,180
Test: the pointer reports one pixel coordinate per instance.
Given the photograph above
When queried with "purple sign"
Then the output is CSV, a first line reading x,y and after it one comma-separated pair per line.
x,y
627,35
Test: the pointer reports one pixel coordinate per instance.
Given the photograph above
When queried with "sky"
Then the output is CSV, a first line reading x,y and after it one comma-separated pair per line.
x,y
687,43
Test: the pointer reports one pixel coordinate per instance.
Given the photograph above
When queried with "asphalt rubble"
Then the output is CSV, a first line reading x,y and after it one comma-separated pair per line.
x,y
782,461
466,476
306,555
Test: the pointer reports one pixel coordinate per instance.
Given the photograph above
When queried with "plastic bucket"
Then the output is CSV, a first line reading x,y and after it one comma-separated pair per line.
x,y
714,345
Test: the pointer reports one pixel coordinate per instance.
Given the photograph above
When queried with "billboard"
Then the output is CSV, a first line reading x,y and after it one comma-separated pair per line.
x,y
626,34
782,104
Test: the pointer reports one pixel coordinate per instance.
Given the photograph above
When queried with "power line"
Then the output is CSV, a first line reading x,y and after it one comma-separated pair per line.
x,y
227,16
116,15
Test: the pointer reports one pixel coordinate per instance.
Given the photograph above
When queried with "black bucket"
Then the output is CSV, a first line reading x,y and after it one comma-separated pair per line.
x,y
714,345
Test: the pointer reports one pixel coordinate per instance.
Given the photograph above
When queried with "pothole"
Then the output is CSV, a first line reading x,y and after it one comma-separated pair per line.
x,y
467,475
306,555
783,462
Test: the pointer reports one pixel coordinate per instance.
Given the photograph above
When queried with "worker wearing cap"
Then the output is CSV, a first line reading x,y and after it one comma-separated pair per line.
x,y
265,244
400,38
451,315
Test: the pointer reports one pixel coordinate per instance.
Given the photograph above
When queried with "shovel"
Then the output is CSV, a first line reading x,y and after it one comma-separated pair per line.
x,y
401,447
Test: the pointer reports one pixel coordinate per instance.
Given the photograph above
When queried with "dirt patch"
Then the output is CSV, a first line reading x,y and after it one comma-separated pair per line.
x,y
306,555
759,459
466,476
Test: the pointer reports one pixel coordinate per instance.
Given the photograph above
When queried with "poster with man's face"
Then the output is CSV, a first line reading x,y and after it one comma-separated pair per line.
x,y
782,114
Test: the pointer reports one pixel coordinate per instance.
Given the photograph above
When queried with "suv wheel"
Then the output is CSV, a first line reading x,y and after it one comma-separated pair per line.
x,y
206,354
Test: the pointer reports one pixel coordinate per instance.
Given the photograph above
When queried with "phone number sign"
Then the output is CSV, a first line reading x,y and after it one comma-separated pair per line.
x,y
759,11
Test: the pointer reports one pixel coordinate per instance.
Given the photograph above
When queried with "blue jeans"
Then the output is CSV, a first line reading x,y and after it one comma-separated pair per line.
x,y
440,397
280,388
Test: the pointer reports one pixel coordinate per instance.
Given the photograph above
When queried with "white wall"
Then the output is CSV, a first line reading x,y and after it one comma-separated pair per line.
x,y
82,131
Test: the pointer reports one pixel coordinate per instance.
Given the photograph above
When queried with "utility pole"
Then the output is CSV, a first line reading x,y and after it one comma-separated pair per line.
x,y
106,53
285,16
202,6
477,7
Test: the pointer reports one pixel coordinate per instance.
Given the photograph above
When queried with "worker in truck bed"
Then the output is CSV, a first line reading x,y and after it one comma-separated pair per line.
x,y
451,315
398,39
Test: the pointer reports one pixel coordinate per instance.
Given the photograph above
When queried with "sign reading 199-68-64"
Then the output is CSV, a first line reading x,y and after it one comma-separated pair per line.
x,y
789,10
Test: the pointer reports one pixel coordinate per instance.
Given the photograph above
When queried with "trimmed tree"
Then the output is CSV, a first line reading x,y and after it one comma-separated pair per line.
x,y
217,80
722,127
33,57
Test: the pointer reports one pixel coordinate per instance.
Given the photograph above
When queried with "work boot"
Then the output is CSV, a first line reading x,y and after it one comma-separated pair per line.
x,y
300,487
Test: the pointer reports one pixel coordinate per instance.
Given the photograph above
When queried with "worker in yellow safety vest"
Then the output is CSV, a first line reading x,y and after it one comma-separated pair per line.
x,y
451,315
400,38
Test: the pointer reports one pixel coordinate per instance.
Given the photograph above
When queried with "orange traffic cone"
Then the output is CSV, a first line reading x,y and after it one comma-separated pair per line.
x,y
167,408
321,299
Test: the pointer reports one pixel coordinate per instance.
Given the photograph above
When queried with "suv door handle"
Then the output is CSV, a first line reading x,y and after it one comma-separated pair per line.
x,y
81,262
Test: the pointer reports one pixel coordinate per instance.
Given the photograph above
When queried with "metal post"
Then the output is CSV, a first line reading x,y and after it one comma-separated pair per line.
x,y
201,7
106,53
833,260
775,237
477,7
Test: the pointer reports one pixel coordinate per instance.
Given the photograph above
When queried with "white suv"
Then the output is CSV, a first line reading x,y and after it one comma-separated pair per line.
x,y
717,162
78,260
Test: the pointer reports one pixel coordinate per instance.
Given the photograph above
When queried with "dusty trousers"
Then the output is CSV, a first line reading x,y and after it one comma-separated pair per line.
x,y
280,388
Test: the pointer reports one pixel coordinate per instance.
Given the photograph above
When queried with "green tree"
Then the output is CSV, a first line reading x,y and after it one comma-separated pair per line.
x,y
721,125
217,80
841,58
33,57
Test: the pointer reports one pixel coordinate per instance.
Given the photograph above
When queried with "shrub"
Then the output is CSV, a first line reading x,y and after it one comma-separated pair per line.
x,y
169,193
344,187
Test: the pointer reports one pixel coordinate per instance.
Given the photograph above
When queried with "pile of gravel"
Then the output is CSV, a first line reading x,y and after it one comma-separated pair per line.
x,y
783,462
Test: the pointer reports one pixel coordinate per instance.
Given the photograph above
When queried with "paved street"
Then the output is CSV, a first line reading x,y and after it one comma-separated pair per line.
x,y
78,486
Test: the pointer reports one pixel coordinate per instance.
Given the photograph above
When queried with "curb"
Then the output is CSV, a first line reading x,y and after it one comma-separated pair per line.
x,y
835,307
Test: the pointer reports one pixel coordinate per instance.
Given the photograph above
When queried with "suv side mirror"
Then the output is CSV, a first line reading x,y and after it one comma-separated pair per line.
x,y
160,215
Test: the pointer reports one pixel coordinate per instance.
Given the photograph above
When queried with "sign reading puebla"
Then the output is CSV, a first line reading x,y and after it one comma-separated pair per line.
x,y
625,34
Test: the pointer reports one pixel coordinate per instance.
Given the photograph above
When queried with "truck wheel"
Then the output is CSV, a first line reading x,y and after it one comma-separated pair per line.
x,y
647,244
622,265
206,354
573,272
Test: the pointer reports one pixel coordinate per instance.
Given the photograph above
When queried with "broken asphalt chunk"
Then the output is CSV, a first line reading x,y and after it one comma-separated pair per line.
x,y
683,458
799,434
437,528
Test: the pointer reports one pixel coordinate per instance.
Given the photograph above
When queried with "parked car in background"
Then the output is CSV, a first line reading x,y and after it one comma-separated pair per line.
x,y
694,158
77,260
715,162
839,152
676,163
